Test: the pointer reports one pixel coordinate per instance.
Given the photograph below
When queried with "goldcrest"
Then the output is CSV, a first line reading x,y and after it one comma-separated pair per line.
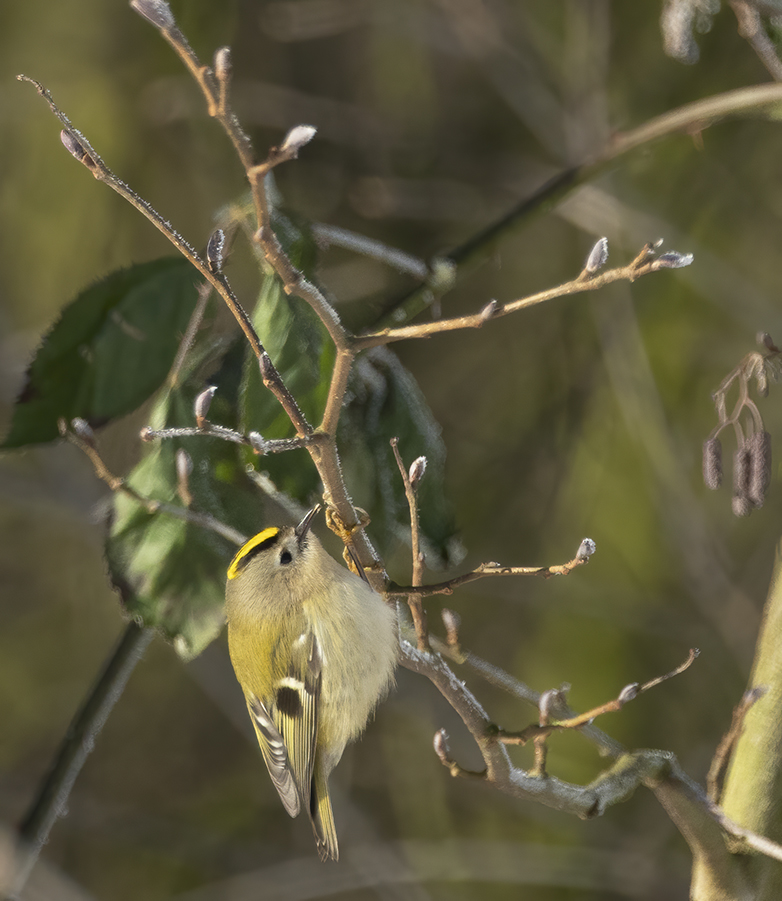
x,y
314,649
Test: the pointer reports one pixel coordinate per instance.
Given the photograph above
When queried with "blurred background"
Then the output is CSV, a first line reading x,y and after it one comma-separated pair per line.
x,y
583,416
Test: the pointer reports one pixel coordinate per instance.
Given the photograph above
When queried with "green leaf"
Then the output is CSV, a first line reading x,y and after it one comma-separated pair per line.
x,y
109,351
171,573
385,402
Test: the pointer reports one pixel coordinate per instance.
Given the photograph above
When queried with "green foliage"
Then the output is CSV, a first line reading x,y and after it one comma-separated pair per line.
x,y
108,352
387,403
170,572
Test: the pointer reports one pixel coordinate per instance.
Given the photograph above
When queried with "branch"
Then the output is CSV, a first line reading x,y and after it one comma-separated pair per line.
x,y
752,30
555,721
52,800
702,823
721,759
687,119
585,551
215,84
81,149
587,280
81,436
411,480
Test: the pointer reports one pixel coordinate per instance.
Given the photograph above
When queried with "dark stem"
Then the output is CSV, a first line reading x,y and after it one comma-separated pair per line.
x,y
52,799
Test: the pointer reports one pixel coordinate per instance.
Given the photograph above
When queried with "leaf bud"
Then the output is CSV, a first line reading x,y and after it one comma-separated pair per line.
x,y
214,250
158,12
765,340
184,467
489,311
83,430
441,745
416,472
451,621
184,463
258,443
266,366
547,703
712,463
586,549
598,256
72,145
628,693
77,150
202,404
296,138
672,259
223,64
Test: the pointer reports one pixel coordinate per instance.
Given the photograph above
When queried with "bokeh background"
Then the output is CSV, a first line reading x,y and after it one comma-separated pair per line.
x,y
584,416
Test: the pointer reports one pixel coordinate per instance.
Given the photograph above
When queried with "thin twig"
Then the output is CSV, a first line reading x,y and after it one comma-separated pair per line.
x,y
606,745
552,720
413,599
722,756
752,30
81,149
683,120
495,569
210,430
327,235
215,86
118,484
196,319
643,264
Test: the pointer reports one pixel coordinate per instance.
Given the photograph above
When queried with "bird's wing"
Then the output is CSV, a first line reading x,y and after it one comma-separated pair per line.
x,y
295,709
275,755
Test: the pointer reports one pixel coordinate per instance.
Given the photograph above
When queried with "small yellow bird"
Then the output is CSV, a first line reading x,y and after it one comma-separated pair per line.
x,y
314,649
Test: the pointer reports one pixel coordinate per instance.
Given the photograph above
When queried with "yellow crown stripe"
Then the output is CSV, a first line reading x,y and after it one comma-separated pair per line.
x,y
236,564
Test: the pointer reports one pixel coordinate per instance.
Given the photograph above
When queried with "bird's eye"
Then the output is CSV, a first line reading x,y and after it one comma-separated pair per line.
x,y
285,558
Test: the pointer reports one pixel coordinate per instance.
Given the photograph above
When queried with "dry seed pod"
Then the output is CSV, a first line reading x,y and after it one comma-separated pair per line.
x,y
759,446
742,506
712,463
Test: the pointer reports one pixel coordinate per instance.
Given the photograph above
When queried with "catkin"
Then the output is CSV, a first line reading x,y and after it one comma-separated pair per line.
x,y
759,446
712,463
741,470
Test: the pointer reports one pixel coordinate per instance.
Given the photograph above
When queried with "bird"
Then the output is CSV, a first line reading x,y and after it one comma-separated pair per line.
x,y
314,648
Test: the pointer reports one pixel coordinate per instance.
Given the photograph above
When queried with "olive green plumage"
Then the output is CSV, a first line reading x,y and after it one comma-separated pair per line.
x,y
314,649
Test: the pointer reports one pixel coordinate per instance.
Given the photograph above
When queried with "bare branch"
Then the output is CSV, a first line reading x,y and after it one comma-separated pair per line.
x,y
588,280
585,550
752,30
332,235
721,759
686,119
413,599
80,147
118,484
215,86
551,703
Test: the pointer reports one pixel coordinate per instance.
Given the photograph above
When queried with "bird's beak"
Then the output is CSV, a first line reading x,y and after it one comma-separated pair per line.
x,y
304,526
